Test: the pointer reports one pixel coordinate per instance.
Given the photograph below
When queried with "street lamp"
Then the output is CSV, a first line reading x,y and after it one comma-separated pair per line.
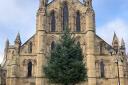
x,y
117,53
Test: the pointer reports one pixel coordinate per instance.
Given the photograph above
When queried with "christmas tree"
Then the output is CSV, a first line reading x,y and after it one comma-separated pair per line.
x,y
65,64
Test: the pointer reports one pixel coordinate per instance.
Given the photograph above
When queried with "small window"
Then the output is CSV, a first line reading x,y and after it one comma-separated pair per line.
x,y
30,47
30,69
102,71
101,48
52,45
78,27
78,43
53,22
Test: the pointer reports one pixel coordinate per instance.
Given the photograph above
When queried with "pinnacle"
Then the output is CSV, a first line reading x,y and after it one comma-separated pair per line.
x,y
18,40
115,38
122,42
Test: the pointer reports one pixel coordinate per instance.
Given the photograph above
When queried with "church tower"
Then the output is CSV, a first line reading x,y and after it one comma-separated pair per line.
x,y
66,13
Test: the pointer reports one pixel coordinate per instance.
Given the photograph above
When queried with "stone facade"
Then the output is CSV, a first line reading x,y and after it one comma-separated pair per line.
x,y
23,63
2,76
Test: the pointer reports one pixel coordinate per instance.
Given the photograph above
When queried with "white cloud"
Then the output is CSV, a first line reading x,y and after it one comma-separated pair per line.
x,y
119,26
11,10
1,57
8,10
16,16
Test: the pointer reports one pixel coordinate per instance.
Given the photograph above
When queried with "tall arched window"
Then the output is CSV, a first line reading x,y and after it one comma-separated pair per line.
x,y
101,48
30,47
78,43
53,22
65,15
78,27
102,71
30,69
52,45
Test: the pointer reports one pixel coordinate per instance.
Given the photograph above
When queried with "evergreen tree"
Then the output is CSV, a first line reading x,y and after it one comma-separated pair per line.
x,y
65,64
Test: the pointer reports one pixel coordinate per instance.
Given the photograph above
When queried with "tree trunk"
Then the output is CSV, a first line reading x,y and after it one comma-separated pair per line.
x,y
69,84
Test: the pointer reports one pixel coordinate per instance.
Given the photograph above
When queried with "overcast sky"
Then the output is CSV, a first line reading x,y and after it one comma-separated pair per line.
x,y
19,16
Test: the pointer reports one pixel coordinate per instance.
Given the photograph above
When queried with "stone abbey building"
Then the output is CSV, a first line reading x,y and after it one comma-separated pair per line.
x,y
23,63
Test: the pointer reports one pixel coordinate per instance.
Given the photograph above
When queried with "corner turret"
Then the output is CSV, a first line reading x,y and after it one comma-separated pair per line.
x,y
43,3
18,42
122,47
90,42
7,44
88,3
122,43
115,42
40,44
41,16
6,48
